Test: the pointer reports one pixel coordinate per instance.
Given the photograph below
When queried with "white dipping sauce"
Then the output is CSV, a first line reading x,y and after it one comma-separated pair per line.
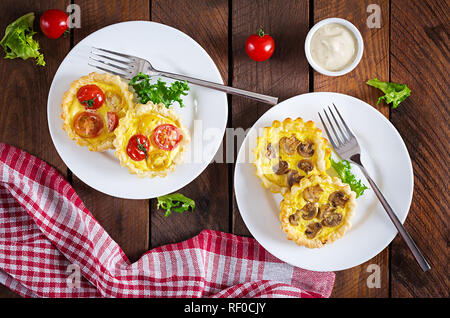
x,y
333,47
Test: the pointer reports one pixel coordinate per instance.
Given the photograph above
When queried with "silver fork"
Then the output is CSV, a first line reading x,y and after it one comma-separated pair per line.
x,y
346,146
128,66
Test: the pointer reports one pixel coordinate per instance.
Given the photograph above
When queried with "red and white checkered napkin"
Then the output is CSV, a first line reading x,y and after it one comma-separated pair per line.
x,y
47,236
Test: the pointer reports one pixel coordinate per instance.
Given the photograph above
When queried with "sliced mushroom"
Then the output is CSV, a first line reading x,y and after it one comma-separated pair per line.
x,y
338,198
289,145
306,149
333,219
270,152
293,177
313,229
294,218
312,193
305,165
309,210
281,168
325,210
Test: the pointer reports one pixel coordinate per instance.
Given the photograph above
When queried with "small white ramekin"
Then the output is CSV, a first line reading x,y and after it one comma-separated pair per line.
x,y
349,26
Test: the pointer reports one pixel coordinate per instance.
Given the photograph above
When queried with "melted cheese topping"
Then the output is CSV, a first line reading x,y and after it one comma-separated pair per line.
x,y
118,99
143,120
158,159
292,160
305,133
113,103
297,202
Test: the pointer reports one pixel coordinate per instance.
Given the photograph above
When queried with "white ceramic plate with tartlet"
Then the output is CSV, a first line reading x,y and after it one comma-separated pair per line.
x,y
205,110
383,153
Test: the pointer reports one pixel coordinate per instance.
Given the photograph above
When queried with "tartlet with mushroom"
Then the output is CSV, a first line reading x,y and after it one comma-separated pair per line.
x,y
288,151
92,108
317,211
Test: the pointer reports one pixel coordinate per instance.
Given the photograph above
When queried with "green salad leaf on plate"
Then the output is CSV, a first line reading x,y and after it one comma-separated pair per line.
x,y
395,93
18,40
343,169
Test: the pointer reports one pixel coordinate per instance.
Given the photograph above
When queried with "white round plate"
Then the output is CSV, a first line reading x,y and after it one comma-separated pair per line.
x,y
167,49
383,153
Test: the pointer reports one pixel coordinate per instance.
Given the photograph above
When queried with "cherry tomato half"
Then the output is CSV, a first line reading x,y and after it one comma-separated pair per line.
x,y
167,136
137,148
260,46
54,23
91,96
88,125
158,160
113,120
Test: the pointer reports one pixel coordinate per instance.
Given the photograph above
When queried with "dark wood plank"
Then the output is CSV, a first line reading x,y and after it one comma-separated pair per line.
x,y
206,22
375,63
25,88
5,292
419,58
284,75
126,221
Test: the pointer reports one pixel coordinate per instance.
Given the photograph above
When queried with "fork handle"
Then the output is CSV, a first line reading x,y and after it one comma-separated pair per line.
x,y
227,89
404,234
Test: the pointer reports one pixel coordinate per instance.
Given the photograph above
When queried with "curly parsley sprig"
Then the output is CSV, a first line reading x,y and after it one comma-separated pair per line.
x,y
89,102
142,147
158,92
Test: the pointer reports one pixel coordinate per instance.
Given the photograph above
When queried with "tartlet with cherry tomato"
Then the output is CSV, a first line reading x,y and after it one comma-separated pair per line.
x,y
92,108
150,140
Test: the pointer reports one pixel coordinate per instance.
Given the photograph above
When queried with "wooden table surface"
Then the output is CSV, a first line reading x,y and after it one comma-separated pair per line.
x,y
411,46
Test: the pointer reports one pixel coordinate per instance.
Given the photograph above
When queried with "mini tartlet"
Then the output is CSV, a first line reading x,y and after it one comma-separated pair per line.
x,y
317,211
92,108
288,151
150,140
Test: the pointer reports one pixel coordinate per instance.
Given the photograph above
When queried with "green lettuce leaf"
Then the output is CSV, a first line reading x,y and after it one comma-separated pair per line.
x,y
344,171
394,93
18,40
175,202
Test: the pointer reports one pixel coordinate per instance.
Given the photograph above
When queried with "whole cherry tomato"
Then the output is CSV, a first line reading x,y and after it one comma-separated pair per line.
x,y
167,136
54,23
260,46
137,148
91,96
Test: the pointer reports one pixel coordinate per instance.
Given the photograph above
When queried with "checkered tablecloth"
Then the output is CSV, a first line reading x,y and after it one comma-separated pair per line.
x,y
51,246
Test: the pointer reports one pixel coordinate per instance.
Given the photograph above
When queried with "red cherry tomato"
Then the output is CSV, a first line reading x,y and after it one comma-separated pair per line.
x,y
167,136
88,125
91,96
113,120
54,23
260,46
137,148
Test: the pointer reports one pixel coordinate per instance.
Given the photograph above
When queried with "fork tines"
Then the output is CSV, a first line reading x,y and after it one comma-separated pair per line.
x,y
344,136
112,62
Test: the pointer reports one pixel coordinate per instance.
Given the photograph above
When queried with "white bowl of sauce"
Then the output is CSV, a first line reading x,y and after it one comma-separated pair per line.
x,y
334,47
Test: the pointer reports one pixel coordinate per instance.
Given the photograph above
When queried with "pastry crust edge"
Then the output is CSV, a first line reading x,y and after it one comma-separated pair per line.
x,y
139,110
317,243
71,93
323,160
